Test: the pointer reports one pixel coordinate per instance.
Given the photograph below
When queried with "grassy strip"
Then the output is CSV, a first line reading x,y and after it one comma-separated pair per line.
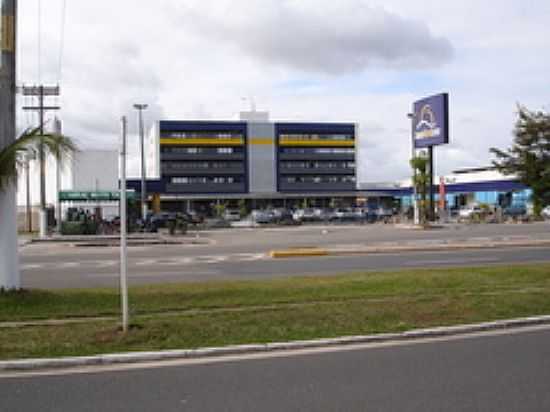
x,y
45,304
278,310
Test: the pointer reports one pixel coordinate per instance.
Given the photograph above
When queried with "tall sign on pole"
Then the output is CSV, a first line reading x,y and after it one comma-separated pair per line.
x,y
431,128
9,265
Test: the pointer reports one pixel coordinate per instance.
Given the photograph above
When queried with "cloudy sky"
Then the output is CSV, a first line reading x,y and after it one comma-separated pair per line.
x,y
362,61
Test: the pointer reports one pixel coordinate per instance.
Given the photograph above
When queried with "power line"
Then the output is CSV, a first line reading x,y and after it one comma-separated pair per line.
x,y
62,40
39,66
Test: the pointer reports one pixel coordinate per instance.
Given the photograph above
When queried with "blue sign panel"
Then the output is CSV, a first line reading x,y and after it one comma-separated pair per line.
x,y
431,121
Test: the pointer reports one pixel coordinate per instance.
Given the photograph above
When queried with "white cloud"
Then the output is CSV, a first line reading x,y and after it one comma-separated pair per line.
x,y
351,60
333,39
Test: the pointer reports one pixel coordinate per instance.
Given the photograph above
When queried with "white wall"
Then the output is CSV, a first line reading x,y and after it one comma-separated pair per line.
x,y
95,170
87,170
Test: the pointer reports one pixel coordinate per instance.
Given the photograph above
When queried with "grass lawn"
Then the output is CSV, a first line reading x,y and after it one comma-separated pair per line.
x,y
222,313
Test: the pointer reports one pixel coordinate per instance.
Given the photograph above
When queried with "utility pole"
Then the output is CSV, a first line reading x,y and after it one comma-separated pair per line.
x,y
140,108
9,262
41,91
58,163
28,157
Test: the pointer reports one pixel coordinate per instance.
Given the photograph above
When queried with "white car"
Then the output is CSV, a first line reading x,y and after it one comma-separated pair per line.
x,y
546,212
232,215
469,211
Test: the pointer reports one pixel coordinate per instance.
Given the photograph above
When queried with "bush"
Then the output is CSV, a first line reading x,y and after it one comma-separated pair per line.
x,y
78,228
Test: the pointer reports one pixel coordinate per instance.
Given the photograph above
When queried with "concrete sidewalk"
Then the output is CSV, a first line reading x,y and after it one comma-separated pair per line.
x,y
113,240
37,364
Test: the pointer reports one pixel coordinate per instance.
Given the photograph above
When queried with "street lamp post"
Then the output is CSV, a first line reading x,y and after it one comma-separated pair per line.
x,y
140,108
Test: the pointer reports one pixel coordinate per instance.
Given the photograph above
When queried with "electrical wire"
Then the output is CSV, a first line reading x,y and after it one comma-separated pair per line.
x,y
61,41
39,65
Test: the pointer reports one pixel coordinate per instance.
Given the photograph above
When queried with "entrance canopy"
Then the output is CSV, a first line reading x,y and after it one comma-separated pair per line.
x,y
93,196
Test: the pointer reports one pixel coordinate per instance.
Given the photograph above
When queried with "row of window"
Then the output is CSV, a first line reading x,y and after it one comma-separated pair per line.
x,y
201,165
317,165
201,150
317,150
283,150
302,136
207,179
202,135
319,179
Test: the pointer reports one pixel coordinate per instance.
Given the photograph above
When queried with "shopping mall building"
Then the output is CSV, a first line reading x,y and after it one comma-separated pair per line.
x,y
193,165
261,162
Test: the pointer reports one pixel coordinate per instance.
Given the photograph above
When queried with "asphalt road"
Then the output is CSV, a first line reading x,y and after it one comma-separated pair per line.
x,y
491,372
102,270
243,254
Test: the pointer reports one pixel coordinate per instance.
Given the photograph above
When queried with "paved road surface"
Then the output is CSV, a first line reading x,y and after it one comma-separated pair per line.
x,y
81,271
242,254
491,372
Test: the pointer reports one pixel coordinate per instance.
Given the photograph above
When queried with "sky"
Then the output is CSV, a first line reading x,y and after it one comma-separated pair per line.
x,y
354,61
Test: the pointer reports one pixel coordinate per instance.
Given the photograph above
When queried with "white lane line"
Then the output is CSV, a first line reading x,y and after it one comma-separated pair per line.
x,y
209,259
31,266
66,265
174,261
248,257
144,262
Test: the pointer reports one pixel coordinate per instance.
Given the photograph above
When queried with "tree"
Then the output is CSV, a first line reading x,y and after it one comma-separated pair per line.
x,y
11,157
529,156
420,181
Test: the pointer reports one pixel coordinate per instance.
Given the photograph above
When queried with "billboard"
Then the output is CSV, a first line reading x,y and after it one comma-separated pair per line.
x,y
431,121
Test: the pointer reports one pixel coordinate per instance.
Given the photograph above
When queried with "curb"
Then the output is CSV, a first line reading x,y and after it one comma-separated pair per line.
x,y
299,252
403,248
137,357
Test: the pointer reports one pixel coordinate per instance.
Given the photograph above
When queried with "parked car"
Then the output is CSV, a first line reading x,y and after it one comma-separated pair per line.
x,y
546,212
515,211
283,216
469,211
232,215
344,214
384,214
262,216
307,215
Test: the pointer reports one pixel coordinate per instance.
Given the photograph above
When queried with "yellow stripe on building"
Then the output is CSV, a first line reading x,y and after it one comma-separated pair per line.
x,y
261,140
202,141
322,143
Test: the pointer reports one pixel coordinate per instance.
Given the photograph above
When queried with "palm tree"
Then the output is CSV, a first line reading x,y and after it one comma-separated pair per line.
x,y
421,181
11,158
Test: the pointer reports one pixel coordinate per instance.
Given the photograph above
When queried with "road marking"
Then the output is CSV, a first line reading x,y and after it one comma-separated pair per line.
x,y
170,261
249,257
31,266
67,265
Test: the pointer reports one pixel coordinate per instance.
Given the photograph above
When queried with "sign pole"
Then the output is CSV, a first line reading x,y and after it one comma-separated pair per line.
x,y
431,127
431,183
123,231
416,215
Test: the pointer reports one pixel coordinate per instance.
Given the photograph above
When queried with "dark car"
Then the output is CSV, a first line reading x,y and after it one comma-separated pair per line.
x,y
158,220
515,211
